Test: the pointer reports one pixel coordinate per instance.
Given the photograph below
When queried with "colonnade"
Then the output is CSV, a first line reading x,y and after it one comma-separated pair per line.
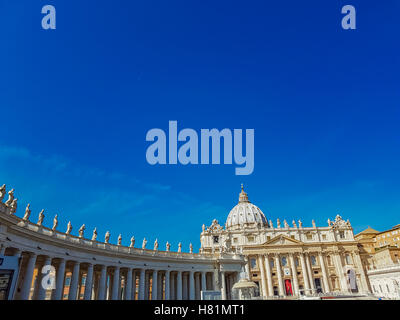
x,y
79,280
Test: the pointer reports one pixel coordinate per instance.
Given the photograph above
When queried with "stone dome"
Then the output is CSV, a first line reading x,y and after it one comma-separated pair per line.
x,y
245,214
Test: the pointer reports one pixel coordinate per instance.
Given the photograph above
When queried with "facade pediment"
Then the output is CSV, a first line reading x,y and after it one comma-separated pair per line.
x,y
282,240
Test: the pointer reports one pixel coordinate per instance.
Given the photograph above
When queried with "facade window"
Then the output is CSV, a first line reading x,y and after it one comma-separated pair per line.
x,y
250,238
341,235
216,239
235,240
253,263
324,237
309,236
284,261
348,259
313,261
328,258
296,262
268,238
271,263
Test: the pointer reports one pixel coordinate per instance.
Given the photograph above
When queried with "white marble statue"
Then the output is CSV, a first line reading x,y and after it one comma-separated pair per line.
x,y
82,231
294,224
10,198
2,192
203,227
69,228
180,247
191,248
300,224
27,212
107,237
168,246
313,223
271,225
285,223
41,218
55,223
13,206
144,243
94,235
132,242
278,223
156,245
120,239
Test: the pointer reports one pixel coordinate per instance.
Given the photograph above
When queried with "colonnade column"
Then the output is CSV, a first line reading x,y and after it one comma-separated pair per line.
x,y
305,275
26,287
191,285
279,274
57,293
73,288
133,293
102,283
172,285
141,284
154,286
128,285
167,286
263,278
294,275
179,286
116,284
41,295
203,281
88,283
340,272
324,275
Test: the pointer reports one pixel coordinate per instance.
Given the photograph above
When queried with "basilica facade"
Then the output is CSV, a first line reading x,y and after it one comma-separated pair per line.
x,y
289,260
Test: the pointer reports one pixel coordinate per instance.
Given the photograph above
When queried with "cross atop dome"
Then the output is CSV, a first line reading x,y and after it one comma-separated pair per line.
x,y
243,196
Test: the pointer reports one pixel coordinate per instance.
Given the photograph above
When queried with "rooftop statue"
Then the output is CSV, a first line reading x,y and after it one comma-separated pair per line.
x,y
10,198
179,247
94,236
41,217
27,212
285,223
313,223
300,224
144,243
13,206
119,239
168,246
82,231
191,248
55,223
132,242
2,192
294,224
107,237
271,224
69,227
156,245
278,223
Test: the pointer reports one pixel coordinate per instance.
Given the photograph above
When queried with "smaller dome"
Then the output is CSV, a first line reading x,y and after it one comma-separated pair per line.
x,y
245,214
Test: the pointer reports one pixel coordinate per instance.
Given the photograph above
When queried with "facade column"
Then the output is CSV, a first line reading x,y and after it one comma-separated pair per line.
x,y
154,286
172,295
73,288
340,272
41,294
58,292
191,285
197,285
179,286
310,274
324,275
358,264
263,278
167,285
268,275
142,284
88,283
128,285
102,283
116,284
305,275
294,275
279,274
223,286
26,287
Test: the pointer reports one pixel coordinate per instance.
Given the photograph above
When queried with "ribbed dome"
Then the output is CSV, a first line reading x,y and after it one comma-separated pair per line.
x,y
245,214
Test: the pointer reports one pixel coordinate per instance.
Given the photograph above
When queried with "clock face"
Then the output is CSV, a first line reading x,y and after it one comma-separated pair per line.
x,y
286,271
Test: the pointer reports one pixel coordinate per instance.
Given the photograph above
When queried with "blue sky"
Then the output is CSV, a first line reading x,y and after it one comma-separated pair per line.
x,y
76,104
